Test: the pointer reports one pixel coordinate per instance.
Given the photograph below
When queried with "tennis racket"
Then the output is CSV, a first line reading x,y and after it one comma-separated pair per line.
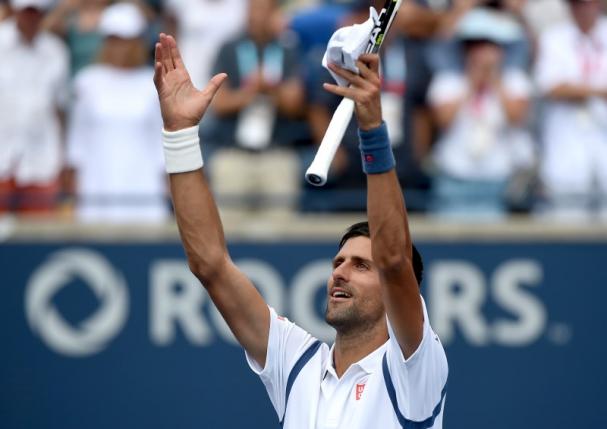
x,y
317,172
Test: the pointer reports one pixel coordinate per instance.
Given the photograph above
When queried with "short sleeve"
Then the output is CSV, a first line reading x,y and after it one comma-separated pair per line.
x,y
447,87
419,381
553,66
286,343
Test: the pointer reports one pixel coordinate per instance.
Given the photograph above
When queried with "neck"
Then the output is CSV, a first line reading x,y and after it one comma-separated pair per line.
x,y
351,347
260,38
586,26
27,36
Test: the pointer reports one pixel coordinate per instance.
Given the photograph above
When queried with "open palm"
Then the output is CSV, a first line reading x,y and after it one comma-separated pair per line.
x,y
181,104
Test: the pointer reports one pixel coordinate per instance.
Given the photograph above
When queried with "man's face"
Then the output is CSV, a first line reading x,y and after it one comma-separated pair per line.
x,y
354,299
260,14
29,21
585,13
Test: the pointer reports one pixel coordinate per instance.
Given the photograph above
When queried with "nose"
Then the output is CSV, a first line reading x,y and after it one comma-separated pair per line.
x,y
341,272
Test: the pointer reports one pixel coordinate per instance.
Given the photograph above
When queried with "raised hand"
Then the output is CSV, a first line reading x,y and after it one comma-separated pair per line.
x,y
181,104
364,89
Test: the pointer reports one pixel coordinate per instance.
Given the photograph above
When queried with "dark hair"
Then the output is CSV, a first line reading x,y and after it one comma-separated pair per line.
x,y
496,4
469,43
361,229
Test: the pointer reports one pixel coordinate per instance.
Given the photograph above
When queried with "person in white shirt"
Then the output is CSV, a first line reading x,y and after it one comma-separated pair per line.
x,y
113,124
571,74
33,92
482,113
387,368
542,14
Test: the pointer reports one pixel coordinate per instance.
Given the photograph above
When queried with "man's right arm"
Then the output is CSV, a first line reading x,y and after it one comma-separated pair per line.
x,y
238,301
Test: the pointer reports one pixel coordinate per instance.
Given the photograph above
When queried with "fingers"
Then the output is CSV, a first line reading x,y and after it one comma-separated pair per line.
x,y
348,92
175,54
352,78
212,87
165,51
214,84
363,86
335,89
166,58
368,64
158,75
158,67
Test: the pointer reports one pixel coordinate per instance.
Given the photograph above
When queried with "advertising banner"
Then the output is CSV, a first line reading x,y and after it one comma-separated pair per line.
x,y
99,335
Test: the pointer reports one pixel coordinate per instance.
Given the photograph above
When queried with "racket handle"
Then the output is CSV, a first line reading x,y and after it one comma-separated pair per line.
x,y
319,169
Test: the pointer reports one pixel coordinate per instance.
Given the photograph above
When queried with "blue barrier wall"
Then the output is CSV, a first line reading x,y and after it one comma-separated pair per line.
x,y
121,336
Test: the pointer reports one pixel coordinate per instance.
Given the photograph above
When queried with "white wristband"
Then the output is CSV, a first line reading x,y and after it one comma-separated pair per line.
x,y
182,150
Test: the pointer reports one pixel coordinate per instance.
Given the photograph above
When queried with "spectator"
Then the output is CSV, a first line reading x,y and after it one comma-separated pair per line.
x,y
429,28
421,23
202,27
482,113
33,85
114,125
572,75
77,22
445,52
257,168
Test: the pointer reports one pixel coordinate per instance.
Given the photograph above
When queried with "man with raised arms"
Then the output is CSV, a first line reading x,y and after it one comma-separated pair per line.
x,y
387,368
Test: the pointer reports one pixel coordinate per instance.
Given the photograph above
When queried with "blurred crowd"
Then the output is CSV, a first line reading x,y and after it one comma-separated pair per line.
x,y
494,107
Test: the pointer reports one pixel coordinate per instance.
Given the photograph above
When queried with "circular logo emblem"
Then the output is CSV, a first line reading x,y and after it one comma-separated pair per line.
x,y
93,334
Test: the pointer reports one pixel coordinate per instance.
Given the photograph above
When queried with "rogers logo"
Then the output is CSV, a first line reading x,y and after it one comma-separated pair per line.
x,y
93,334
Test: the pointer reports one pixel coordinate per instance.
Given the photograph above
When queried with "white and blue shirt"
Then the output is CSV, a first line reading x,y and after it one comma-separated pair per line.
x,y
382,390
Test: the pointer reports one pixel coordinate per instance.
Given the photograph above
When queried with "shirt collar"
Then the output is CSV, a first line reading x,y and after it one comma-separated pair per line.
x,y
593,36
368,364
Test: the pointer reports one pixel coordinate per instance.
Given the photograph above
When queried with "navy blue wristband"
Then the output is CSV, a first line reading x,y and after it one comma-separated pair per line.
x,y
375,150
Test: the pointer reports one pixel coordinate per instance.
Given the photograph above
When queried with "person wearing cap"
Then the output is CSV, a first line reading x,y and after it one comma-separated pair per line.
x,y
571,74
113,126
482,113
33,88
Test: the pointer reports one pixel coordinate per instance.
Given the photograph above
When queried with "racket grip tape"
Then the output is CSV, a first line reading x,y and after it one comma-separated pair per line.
x,y
318,171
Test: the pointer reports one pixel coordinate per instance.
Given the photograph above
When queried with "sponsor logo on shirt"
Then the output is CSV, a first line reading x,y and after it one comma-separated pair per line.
x,y
359,391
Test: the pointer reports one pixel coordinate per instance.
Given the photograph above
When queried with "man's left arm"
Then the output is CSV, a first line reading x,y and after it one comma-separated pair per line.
x,y
387,214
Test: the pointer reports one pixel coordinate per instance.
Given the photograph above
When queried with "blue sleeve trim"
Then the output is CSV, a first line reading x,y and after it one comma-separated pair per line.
x,y
404,422
301,362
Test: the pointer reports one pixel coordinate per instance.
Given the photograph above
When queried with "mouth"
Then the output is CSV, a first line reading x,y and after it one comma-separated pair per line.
x,y
339,295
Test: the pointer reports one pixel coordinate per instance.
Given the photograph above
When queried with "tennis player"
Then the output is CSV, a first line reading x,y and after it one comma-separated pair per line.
x,y
387,368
